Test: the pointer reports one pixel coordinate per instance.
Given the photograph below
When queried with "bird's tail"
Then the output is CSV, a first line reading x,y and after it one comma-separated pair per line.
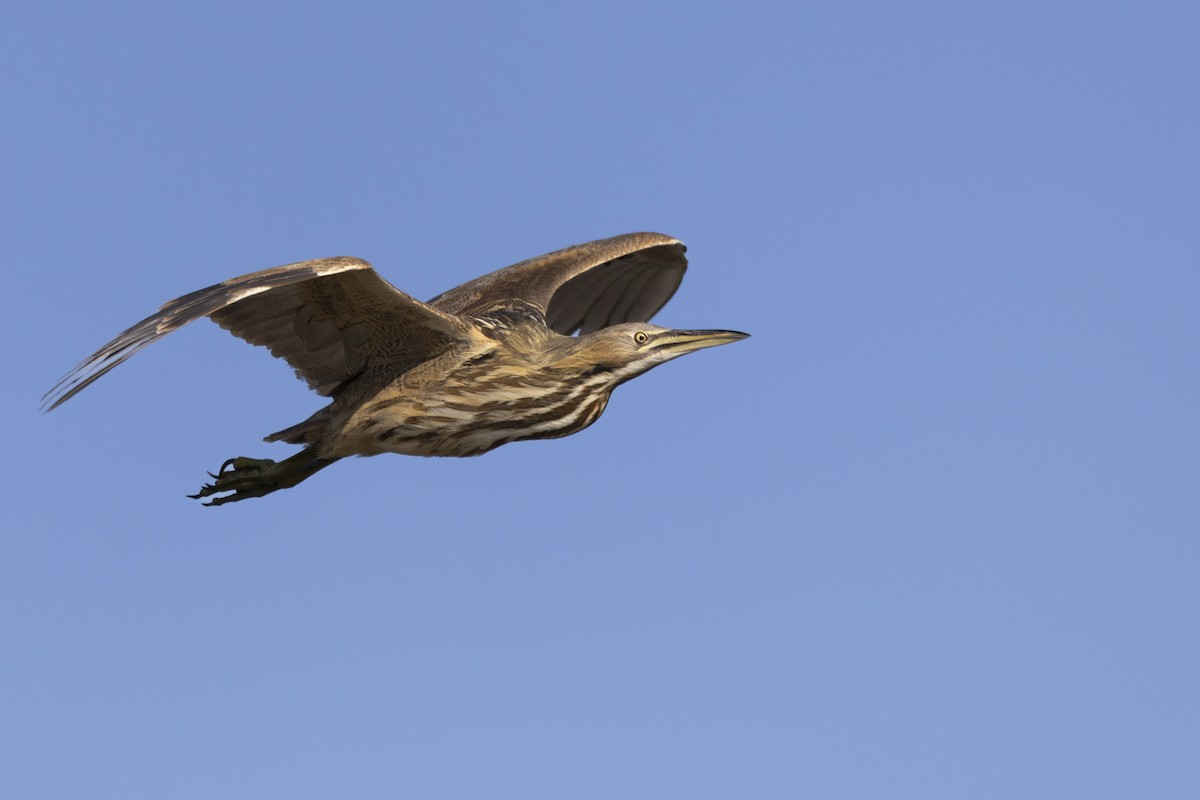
x,y
308,432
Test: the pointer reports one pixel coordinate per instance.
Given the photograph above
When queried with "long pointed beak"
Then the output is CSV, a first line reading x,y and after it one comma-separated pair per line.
x,y
679,342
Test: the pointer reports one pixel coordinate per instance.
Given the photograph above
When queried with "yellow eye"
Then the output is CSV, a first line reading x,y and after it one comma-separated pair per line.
x,y
640,337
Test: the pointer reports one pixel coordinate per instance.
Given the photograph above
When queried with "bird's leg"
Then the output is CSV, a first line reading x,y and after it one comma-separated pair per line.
x,y
255,477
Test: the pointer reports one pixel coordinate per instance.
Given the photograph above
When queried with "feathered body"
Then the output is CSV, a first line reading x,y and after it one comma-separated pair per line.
x,y
514,380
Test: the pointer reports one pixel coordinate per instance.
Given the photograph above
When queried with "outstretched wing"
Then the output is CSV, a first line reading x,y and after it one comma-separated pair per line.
x,y
583,288
329,318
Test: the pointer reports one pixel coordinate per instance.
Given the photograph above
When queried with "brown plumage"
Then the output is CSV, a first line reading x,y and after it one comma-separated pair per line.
x,y
489,362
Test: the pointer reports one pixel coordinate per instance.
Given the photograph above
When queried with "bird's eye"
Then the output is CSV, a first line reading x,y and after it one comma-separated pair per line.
x,y
640,337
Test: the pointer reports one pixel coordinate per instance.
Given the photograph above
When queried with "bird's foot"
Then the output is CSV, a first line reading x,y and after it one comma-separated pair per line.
x,y
244,477
254,477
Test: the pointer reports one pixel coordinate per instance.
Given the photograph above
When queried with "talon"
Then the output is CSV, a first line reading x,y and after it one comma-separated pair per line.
x,y
242,478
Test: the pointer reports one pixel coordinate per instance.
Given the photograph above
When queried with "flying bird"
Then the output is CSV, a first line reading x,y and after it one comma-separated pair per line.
x,y
531,351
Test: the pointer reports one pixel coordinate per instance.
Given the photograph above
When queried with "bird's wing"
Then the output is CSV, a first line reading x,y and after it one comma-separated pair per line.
x,y
329,318
583,288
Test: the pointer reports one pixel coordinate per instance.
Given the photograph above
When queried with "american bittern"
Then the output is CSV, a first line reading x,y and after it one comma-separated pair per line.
x,y
490,362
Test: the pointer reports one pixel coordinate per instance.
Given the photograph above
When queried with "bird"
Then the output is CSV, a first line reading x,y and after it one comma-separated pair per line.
x,y
530,351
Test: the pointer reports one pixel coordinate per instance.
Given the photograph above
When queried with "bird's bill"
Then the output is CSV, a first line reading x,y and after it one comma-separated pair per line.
x,y
680,342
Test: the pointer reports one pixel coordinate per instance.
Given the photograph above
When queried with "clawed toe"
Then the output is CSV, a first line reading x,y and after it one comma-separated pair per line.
x,y
243,477
254,477
244,466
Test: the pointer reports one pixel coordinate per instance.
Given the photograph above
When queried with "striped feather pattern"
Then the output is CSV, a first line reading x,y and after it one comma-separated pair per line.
x,y
476,410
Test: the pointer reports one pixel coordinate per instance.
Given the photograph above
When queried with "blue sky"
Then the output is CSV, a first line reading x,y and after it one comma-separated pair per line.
x,y
931,532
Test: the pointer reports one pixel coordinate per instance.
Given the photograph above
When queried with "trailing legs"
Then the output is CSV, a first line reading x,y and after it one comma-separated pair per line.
x,y
255,477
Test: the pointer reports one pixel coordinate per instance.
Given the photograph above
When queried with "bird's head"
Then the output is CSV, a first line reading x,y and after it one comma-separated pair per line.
x,y
631,348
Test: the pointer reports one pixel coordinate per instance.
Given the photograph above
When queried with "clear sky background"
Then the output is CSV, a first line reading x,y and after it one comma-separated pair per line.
x,y
932,532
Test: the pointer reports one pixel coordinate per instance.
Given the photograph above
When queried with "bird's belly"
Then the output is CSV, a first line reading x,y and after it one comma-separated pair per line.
x,y
468,429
